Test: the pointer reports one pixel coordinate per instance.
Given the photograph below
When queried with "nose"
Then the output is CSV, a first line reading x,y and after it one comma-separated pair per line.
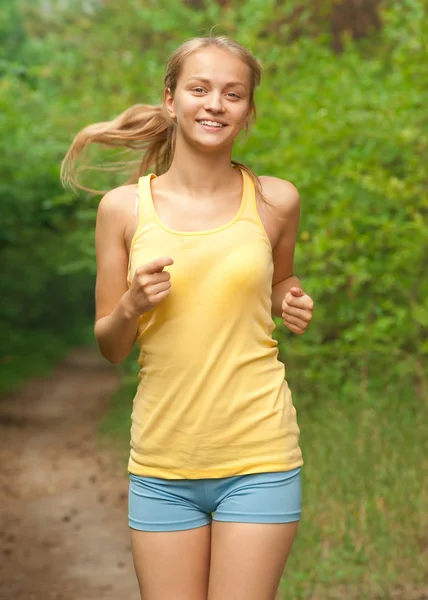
x,y
214,103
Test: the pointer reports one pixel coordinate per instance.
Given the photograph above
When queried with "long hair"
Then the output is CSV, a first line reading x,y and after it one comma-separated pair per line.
x,y
149,129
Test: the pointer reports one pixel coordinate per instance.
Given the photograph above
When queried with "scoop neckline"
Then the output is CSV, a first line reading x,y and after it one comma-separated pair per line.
x,y
201,231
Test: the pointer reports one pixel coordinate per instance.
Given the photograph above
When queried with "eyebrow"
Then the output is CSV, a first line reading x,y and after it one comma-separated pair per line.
x,y
204,80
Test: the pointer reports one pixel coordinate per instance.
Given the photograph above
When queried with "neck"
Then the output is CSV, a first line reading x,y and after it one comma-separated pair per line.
x,y
199,172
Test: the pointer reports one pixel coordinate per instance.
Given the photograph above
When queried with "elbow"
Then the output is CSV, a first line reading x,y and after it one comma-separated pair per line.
x,y
112,349
113,357
114,360
108,352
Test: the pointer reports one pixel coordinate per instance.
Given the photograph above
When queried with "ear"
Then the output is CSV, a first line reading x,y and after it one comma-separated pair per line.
x,y
169,103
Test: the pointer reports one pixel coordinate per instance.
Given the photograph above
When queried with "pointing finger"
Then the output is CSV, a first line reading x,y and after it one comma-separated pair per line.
x,y
157,265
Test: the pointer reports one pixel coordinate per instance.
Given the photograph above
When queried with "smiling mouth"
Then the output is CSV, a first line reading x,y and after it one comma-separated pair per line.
x,y
209,123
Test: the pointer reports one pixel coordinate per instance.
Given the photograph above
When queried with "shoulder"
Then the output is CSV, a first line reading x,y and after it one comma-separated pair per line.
x,y
118,203
282,195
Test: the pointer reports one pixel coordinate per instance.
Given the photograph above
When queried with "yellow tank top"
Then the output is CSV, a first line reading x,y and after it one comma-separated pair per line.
x,y
212,400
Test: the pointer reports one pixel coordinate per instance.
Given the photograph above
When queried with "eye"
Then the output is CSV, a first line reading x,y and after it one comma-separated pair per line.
x,y
198,90
233,95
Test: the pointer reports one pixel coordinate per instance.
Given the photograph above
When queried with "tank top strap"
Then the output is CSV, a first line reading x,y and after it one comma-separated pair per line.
x,y
144,212
250,205
250,211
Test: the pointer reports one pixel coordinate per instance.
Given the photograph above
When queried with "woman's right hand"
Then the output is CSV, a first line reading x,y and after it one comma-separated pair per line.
x,y
150,285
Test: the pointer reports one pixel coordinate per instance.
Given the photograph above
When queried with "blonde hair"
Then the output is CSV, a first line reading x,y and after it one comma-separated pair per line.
x,y
149,129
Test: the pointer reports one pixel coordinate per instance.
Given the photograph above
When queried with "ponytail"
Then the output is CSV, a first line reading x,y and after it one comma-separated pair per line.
x,y
142,127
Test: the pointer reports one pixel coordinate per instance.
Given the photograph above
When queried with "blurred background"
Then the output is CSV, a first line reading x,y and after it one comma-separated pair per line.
x,y
342,113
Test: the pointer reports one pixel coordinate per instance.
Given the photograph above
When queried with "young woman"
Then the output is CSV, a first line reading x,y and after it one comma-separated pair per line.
x,y
193,268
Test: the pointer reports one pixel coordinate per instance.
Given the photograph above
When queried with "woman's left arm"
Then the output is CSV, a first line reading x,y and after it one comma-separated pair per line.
x,y
289,301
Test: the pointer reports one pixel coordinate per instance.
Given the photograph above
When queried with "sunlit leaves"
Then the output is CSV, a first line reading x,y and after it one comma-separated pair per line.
x,y
349,130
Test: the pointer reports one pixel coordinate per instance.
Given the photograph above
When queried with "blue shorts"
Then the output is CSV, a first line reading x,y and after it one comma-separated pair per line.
x,y
175,504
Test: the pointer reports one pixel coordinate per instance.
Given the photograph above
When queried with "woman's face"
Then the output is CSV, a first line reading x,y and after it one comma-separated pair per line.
x,y
211,103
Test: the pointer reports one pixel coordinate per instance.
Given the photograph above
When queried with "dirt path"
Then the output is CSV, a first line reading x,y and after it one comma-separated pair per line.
x,y
63,507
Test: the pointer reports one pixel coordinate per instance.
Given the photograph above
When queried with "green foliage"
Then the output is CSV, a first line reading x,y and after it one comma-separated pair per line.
x,y
354,141
350,131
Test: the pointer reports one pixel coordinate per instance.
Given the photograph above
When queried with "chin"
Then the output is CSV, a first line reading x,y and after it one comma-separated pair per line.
x,y
208,145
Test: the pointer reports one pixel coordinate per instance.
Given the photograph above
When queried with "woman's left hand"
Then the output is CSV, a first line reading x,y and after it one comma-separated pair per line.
x,y
297,308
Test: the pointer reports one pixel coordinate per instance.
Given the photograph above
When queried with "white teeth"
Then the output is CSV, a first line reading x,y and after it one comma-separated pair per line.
x,y
211,123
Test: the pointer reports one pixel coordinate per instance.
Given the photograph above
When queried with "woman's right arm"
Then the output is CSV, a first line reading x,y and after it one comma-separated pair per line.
x,y
118,308
116,324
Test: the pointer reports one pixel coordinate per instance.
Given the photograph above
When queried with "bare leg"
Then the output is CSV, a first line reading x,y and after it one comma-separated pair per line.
x,y
248,559
172,565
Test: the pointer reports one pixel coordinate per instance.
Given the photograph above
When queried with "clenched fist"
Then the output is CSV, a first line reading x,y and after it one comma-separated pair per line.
x,y
297,308
150,285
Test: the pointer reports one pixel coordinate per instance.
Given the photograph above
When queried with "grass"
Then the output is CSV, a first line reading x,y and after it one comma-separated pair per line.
x,y
35,358
364,528
34,354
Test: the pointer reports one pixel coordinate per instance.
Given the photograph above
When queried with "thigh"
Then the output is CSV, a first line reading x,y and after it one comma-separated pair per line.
x,y
254,527
172,564
248,559
170,538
